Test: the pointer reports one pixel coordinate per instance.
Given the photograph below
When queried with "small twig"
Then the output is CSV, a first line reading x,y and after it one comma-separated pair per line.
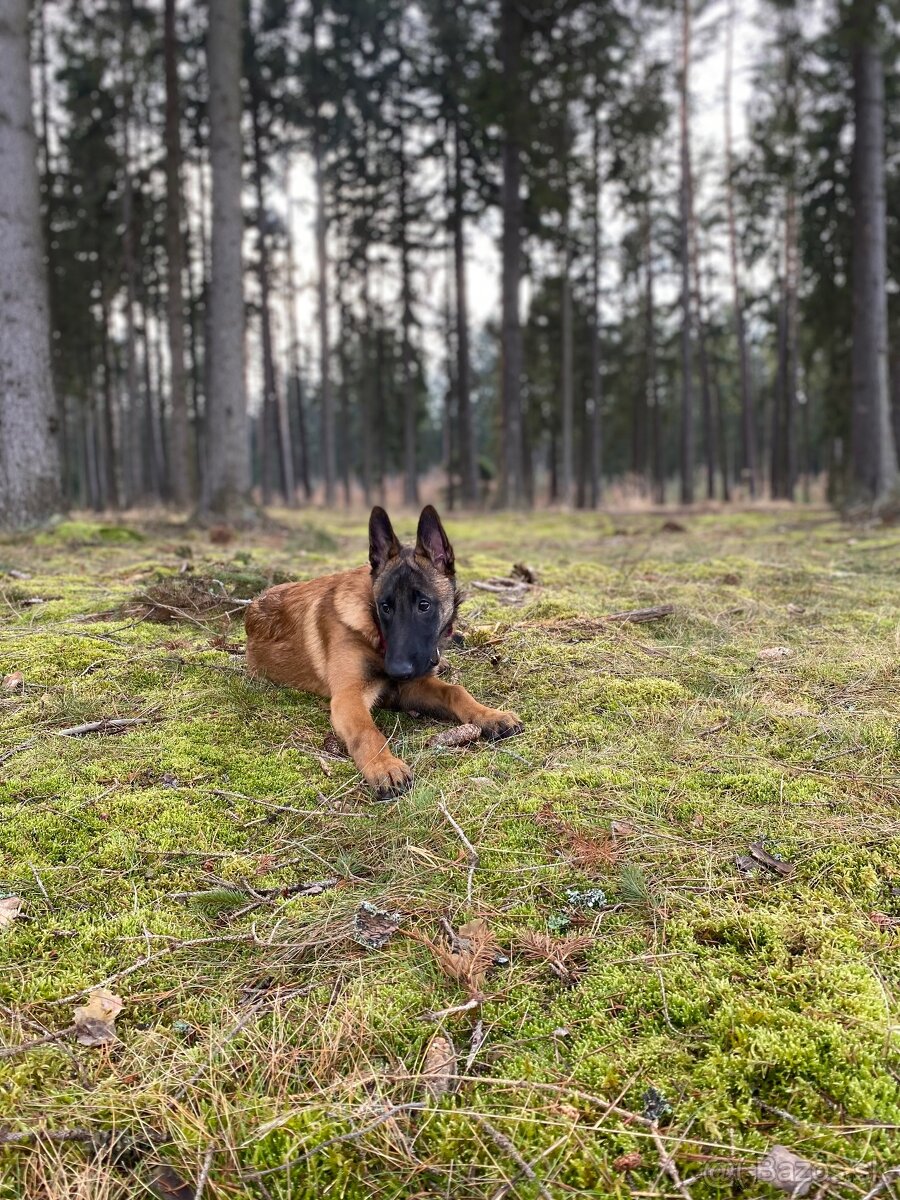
x,y
474,1002
472,853
149,958
24,1047
17,749
503,1142
506,1188
477,1041
204,1171
106,725
667,1162
9,1137
637,616
40,884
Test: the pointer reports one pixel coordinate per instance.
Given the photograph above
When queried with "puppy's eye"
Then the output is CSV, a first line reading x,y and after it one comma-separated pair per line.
x,y
386,608
424,605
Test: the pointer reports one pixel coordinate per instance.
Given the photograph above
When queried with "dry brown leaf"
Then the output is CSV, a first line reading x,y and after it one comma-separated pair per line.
x,y
777,865
879,919
783,1169
14,682
775,652
460,735
621,829
10,907
439,1067
95,1021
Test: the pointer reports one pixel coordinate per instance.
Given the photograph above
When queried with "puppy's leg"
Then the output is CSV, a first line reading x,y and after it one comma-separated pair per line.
x,y
352,722
450,702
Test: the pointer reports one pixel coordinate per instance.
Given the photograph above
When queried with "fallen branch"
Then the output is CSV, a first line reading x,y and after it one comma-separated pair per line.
x,y
9,1137
24,1047
471,852
106,725
637,616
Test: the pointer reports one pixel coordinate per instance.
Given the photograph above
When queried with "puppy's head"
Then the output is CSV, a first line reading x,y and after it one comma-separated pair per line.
x,y
415,593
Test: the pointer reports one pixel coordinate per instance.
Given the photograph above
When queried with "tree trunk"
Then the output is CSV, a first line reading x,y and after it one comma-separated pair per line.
x,y
748,415
784,408
276,445
874,473
596,432
468,459
710,439
367,390
29,423
294,359
329,457
685,200
410,466
656,449
228,490
512,469
179,429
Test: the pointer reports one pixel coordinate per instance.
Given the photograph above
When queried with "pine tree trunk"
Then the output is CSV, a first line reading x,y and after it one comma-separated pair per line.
x,y
228,490
367,390
656,448
748,415
710,432
468,459
784,408
410,467
685,203
276,458
329,457
179,429
874,472
29,423
596,431
296,385
512,469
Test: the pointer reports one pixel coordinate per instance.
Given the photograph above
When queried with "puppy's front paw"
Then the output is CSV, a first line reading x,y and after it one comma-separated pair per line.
x,y
495,724
388,777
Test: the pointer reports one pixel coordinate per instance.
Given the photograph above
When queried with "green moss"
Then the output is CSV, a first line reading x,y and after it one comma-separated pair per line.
x,y
672,745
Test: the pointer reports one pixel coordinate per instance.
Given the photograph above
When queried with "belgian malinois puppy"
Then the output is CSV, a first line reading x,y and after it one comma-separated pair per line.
x,y
372,636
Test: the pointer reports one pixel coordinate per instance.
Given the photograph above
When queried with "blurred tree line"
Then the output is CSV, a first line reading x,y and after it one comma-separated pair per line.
x,y
679,313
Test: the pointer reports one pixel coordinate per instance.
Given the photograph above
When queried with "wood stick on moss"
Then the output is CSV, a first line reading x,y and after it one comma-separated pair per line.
x,y
471,852
105,725
637,616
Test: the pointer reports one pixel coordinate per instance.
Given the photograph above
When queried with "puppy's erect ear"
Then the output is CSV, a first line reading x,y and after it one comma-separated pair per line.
x,y
383,544
433,543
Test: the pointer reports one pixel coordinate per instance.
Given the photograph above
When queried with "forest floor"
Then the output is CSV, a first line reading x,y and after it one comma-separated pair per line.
x,y
648,1005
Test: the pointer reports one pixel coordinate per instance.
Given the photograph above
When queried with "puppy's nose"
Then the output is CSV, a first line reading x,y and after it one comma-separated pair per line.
x,y
400,670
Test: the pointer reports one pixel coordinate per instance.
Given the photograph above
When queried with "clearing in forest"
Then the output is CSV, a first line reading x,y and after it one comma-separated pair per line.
x,y
661,925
